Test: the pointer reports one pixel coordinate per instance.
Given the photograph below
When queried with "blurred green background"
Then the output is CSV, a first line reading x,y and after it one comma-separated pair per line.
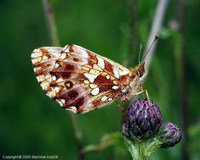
x,y
32,124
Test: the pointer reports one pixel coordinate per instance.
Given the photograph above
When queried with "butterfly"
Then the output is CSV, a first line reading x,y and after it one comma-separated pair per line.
x,y
81,80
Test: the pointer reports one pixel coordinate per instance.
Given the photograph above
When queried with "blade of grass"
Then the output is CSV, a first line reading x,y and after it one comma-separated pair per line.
x,y
157,22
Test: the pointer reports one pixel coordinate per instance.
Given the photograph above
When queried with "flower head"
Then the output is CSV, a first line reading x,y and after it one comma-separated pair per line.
x,y
143,120
169,134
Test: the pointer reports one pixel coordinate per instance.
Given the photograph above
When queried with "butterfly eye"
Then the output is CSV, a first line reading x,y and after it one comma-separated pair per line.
x,y
140,73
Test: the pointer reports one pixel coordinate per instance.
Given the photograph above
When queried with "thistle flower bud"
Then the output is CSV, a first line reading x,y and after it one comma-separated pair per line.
x,y
169,134
143,120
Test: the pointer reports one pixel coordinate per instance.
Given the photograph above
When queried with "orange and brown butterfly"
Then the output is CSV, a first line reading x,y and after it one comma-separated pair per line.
x,y
81,80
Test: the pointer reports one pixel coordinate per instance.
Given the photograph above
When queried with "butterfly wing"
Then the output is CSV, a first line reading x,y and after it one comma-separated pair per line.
x,y
78,79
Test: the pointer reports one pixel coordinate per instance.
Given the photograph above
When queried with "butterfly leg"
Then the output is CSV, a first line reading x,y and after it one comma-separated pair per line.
x,y
121,107
147,94
142,91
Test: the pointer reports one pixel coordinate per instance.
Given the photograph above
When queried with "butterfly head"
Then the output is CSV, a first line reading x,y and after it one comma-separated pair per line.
x,y
139,71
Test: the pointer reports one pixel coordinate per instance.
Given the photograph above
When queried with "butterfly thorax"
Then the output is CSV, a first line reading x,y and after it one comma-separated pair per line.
x,y
132,83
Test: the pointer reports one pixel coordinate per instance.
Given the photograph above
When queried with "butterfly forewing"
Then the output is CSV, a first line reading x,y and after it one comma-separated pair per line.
x,y
78,79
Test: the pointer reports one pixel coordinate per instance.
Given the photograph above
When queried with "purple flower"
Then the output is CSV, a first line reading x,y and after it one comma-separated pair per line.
x,y
143,120
169,134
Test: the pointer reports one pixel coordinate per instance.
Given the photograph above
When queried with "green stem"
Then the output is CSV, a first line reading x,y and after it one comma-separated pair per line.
x,y
183,77
77,134
137,149
133,31
48,10
142,150
51,23
153,146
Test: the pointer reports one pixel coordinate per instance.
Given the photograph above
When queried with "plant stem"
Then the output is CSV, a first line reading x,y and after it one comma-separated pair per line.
x,y
78,134
181,6
137,149
142,149
133,33
48,10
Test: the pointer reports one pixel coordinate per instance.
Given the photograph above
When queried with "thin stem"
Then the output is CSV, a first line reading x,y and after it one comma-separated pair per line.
x,y
51,23
133,33
78,134
183,79
48,10
157,22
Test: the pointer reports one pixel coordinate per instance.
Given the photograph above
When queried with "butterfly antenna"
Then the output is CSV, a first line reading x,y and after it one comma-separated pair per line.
x,y
155,39
141,46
